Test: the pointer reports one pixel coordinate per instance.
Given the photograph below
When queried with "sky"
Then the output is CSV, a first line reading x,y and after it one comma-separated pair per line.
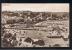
x,y
41,7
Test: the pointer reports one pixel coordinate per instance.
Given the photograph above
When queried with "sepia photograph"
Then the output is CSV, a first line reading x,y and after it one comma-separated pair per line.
x,y
34,25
